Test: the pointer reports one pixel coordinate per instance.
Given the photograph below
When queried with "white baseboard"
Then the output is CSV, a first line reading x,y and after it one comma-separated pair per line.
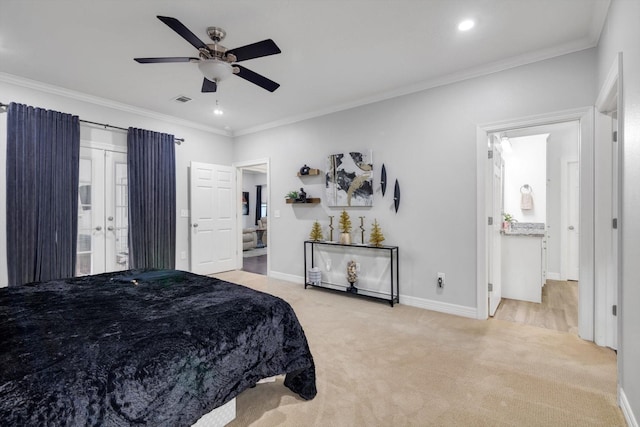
x,y
443,307
286,277
553,276
626,409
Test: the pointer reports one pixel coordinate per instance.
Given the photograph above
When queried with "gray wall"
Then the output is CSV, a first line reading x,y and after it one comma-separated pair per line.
x,y
427,141
621,34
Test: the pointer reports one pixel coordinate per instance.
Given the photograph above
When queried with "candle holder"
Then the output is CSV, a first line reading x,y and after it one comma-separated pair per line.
x,y
331,228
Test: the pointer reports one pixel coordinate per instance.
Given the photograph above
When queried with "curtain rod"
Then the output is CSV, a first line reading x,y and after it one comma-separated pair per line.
x,y
178,141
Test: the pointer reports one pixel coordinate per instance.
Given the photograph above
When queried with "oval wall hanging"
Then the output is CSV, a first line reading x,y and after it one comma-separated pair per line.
x,y
396,196
383,179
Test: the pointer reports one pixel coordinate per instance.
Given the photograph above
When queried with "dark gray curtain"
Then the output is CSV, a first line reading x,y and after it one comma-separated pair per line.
x,y
152,199
258,203
43,155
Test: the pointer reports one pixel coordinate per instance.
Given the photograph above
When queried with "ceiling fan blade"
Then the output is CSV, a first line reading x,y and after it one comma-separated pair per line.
x,y
167,59
255,50
183,31
209,86
256,78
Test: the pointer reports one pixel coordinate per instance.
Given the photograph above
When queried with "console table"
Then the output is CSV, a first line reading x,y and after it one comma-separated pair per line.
x,y
390,252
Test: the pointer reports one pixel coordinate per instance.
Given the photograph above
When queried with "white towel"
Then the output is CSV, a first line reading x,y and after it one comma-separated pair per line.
x,y
526,202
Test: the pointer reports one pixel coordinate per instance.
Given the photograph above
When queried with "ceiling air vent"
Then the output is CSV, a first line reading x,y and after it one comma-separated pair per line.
x,y
182,99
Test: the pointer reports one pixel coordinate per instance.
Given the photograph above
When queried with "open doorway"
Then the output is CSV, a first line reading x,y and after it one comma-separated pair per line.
x,y
485,292
253,219
538,254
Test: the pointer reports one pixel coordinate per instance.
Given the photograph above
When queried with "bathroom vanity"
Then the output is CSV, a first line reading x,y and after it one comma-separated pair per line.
x,y
523,262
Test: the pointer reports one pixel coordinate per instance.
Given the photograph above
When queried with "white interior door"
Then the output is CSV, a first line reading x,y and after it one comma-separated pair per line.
x,y
495,238
573,221
102,212
213,218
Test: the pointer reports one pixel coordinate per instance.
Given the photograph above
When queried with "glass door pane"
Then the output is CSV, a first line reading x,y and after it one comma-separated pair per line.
x,y
85,220
118,214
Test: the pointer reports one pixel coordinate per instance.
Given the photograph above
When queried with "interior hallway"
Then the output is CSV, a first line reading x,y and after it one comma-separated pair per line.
x,y
557,311
255,261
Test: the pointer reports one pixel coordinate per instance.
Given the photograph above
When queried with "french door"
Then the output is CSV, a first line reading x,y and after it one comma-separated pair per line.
x,y
103,226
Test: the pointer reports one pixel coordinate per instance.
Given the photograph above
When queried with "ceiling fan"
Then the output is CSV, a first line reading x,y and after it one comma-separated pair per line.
x,y
216,61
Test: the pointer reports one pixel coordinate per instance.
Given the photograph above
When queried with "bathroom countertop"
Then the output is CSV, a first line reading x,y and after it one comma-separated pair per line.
x,y
529,229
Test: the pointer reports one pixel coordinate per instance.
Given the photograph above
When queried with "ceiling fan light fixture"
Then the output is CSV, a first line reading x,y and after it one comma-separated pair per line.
x,y
218,110
215,69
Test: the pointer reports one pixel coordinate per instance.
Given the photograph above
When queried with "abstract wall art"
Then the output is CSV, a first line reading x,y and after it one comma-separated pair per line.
x,y
349,179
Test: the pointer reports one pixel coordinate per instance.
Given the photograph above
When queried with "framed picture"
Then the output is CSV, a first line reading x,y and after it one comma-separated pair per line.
x,y
349,179
245,203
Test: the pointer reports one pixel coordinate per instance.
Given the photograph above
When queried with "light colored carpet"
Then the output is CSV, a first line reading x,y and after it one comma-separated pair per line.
x,y
405,366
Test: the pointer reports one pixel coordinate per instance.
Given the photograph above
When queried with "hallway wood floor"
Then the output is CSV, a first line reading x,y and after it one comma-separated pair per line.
x,y
558,309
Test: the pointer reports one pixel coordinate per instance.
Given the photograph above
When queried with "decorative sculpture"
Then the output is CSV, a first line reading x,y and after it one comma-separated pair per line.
x,y
316,232
396,196
302,196
376,237
345,228
352,276
383,179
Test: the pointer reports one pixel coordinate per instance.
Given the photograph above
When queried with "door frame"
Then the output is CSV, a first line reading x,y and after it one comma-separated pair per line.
x,y
585,117
239,166
609,100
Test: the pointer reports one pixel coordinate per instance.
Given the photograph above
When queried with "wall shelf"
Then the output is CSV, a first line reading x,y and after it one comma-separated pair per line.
x,y
388,251
311,172
310,201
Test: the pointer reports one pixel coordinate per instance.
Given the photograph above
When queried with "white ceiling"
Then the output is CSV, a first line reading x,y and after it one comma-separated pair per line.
x,y
335,53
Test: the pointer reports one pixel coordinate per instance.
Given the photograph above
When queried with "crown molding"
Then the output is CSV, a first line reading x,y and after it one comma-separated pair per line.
x,y
103,102
468,74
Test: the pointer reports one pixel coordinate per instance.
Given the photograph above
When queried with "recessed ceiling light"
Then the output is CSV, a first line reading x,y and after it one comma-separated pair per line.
x,y
466,25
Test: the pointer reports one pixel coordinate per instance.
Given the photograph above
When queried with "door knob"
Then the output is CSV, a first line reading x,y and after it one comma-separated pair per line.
x,y
98,228
571,227
110,228
195,225
110,218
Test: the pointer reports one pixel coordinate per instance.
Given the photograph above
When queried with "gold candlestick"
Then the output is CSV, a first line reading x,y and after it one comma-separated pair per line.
x,y
331,228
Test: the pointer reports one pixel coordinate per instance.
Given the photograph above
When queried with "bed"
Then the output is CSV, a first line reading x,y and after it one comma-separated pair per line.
x,y
141,347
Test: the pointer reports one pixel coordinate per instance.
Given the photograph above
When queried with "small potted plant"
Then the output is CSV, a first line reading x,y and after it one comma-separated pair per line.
x,y
293,195
507,220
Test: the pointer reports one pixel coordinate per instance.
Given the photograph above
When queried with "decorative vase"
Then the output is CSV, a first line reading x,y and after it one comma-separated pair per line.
x,y
345,238
305,170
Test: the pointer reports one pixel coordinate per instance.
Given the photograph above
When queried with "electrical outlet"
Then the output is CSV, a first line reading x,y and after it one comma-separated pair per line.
x,y
183,255
440,280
